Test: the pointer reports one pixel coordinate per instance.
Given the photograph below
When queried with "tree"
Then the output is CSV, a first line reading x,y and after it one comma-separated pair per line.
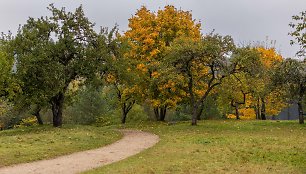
x,y
237,89
291,75
203,64
8,84
51,52
234,91
299,34
264,89
120,75
6,66
149,36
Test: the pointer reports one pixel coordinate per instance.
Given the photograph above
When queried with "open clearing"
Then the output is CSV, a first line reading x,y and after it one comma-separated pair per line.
x,y
224,146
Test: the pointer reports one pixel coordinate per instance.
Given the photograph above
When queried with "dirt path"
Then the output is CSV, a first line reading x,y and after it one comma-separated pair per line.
x,y
132,143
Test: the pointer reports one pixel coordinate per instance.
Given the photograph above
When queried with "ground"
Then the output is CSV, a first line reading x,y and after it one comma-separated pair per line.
x,y
223,146
132,143
220,147
44,142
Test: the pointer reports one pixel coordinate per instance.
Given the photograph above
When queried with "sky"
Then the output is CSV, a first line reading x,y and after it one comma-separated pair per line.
x,y
247,21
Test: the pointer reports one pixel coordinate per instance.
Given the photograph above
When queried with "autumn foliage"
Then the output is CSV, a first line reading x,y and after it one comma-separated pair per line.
x,y
162,62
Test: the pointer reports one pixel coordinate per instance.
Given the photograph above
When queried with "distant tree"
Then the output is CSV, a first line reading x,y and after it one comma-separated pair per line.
x,y
291,75
236,90
51,52
264,89
299,26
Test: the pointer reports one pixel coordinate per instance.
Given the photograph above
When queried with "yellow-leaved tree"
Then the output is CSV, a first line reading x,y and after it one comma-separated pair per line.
x,y
267,99
149,36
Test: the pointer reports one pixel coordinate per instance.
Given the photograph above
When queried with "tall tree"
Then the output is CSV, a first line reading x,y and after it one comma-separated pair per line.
x,y
51,52
150,35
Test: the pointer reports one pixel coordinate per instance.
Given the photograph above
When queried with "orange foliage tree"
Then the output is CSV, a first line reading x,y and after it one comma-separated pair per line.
x,y
149,35
263,97
269,100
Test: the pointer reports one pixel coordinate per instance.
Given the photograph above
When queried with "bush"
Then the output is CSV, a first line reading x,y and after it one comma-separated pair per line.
x,y
137,114
26,122
178,116
88,106
8,116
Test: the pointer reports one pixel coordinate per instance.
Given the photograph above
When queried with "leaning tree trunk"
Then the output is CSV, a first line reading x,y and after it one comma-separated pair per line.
x,y
301,113
37,115
57,103
126,107
263,109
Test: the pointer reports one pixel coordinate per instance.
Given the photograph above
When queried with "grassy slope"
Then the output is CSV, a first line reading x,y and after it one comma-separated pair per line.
x,y
220,147
30,144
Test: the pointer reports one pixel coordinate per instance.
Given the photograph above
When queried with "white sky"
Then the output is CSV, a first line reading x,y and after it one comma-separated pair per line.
x,y
245,20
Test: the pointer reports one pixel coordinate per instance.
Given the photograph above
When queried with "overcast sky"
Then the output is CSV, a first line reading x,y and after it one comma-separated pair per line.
x,y
245,20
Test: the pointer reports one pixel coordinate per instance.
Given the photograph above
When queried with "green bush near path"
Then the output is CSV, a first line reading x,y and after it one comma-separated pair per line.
x,y
219,147
43,142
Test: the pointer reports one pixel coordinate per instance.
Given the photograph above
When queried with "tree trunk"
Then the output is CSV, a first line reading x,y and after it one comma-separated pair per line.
x,y
194,115
126,107
200,112
124,113
37,115
263,109
237,111
123,118
160,113
257,110
156,113
57,109
300,110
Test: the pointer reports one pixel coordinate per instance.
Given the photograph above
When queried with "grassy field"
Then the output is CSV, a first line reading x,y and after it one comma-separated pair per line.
x,y
43,142
219,147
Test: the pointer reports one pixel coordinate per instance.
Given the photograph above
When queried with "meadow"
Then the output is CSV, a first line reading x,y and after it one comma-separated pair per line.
x,y
219,147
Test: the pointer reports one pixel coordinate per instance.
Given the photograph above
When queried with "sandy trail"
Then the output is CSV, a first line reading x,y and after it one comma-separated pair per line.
x,y
132,143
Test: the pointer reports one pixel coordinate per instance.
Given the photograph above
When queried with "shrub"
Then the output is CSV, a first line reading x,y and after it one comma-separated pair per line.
x,y
26,122
88,106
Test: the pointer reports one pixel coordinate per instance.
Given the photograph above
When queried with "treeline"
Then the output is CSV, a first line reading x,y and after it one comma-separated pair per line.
x,y
161,63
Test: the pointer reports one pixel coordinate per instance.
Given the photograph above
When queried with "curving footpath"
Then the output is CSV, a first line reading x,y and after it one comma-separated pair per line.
x,y
132,143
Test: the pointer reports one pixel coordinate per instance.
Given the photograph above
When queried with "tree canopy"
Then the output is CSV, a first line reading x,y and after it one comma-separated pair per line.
x,y
51,52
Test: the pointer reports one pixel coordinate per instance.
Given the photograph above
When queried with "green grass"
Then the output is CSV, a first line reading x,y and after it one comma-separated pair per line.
x,y
219,147
43,142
